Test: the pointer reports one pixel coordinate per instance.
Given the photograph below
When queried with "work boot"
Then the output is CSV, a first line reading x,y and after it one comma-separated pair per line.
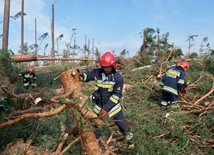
x,y
163,105
33,85
129,139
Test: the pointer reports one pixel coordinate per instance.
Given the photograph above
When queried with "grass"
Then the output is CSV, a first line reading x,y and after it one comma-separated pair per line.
x,y
154,133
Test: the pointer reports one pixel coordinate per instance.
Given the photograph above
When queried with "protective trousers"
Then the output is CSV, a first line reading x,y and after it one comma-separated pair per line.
x,y
120,123
168,98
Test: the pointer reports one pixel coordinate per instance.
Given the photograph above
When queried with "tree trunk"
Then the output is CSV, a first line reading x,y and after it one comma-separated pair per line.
x,y
6,24
71,83
22,27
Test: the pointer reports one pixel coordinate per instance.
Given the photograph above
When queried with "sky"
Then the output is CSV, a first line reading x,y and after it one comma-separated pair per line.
x,y
112,24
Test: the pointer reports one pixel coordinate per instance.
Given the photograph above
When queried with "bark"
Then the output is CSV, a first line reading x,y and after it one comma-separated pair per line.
x,y
20,147
6,24
34,115
89,142
72,88
32,57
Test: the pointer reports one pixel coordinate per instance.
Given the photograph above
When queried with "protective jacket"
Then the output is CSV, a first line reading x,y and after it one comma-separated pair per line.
x,y
109,90
173,80
28,78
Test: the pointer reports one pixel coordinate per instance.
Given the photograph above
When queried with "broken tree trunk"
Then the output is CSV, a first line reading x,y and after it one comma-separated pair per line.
x,y
71,84
72,88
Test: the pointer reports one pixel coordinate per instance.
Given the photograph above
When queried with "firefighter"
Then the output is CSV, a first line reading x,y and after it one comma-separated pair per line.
x,y
29,77
173,82
106,97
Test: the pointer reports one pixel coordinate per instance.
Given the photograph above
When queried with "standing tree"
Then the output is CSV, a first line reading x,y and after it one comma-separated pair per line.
x,y
42,38
52,33
57,43
22,27
6,24
190,39
148,39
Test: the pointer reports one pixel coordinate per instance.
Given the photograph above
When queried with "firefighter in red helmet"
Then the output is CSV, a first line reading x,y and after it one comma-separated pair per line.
x,y
29,77
183,64
106,97
173,82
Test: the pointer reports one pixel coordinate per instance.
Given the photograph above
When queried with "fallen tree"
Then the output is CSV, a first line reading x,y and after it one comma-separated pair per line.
x,y
71,91
32,57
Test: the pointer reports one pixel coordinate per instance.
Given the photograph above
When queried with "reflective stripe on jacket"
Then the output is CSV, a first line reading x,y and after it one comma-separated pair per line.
x,y
173,80
28,78
110,88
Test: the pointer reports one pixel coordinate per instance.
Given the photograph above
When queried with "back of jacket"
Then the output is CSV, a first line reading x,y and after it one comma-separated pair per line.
x,y
173,80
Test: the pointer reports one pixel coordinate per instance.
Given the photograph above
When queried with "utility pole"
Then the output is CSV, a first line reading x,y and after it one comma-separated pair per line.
x,y
22,27
6,24
52,33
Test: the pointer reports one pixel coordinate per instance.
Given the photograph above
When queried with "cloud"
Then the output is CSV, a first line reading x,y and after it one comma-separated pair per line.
x,y
34,9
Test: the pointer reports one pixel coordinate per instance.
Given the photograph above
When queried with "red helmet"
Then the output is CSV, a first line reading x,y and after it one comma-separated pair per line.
x,y
108,59
183,64
31,69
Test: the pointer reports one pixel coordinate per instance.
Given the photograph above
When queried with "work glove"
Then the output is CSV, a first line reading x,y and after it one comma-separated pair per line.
x,y
104,113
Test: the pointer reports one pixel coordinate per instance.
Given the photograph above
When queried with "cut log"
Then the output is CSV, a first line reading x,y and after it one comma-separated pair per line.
x,y
32,57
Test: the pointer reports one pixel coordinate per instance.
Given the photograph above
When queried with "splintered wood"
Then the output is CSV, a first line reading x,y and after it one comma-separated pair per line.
x,y
72,88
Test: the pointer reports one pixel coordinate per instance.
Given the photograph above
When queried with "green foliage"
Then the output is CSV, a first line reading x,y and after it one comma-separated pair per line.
x,y
6,64
143,60
195,66
17,131
204,87
208,64
193,55
212,53
154,131
178,52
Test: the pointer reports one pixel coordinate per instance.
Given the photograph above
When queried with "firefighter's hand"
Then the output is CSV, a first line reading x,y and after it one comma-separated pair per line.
x,y
184,90
104,113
